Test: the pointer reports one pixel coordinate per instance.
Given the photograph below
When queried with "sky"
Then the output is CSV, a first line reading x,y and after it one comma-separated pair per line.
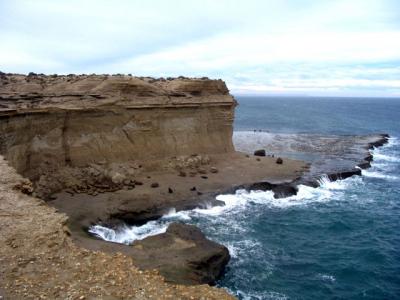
x,y
272,47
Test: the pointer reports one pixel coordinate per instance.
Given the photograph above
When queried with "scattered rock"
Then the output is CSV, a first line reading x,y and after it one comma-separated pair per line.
x,y
204,177
213,170
199,193
258,159
117,178
182,174
193,188
155,185
136,182
25,186
192,173
260,152
279,161
170,190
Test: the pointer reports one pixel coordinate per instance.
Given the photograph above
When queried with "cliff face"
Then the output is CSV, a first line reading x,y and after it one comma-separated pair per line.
x,y
55,121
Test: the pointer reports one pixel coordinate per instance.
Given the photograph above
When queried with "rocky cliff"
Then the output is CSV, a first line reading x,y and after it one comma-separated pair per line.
x,y
47,122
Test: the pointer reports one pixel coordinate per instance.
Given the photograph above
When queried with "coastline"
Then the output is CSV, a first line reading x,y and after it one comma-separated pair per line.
x,y
63,243
96,157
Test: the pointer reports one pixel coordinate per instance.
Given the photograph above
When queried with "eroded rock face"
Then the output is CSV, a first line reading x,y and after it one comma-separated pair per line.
x,y
47,122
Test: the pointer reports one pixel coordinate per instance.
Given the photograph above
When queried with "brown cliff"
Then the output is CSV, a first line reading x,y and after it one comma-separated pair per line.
x,y
56,121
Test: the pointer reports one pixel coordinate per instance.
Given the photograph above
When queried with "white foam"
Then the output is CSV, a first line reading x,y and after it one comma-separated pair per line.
x,y
267,295
384,157
304,196
326,183
376,174
180,215
326,277
128,234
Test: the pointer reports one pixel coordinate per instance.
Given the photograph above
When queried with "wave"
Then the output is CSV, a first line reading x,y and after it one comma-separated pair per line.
x,y
384,157
125,234
235,203
377,174
328,278
267,295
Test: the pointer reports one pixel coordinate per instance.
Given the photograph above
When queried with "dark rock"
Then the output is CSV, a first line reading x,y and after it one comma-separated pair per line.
x,y
369,157
204,177
170,190
380,142
199,193
182,255
193,188
182,174
284,190
281,190
279,161
257,159
136,182
155,185
344,174
364,165
260,152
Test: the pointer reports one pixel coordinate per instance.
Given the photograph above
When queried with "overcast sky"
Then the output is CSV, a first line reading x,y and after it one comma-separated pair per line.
x,y
301,47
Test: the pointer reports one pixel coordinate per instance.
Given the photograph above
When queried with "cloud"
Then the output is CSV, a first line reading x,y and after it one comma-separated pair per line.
x,y
256,46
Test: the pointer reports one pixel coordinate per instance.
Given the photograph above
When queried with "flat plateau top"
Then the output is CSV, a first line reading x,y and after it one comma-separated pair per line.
x,y
36,92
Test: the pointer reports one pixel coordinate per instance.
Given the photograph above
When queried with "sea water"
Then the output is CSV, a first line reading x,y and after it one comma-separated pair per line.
x,y
338,241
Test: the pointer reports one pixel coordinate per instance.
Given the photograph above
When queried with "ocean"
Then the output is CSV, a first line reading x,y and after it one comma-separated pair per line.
x,y
338,241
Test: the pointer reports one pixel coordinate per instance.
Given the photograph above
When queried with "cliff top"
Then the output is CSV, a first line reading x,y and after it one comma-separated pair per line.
x,y
34,92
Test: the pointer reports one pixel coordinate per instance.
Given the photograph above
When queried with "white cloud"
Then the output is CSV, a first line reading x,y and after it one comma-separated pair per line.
x,y
259,45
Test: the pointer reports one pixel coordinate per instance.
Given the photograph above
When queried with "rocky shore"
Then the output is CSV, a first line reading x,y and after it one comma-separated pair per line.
x,y
81,150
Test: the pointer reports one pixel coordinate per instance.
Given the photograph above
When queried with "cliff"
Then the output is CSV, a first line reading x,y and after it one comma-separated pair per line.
x,y
47,122
109,149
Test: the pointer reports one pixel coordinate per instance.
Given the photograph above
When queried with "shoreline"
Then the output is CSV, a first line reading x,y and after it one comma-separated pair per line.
x,y
64,232
282,189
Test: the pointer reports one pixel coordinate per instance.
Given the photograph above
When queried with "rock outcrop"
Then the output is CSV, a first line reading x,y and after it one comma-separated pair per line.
x,y
183,254
48,122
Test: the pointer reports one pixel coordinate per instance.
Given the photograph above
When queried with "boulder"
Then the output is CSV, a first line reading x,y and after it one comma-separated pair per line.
x,y
260,152
279,161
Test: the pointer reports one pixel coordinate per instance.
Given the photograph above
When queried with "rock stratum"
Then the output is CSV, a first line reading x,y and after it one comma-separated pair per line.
x,y
48,122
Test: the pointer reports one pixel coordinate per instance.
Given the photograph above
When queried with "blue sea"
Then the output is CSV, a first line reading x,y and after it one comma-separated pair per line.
x,y
338,241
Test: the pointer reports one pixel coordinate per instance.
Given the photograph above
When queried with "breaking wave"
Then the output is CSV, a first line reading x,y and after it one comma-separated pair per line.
x,y
125,234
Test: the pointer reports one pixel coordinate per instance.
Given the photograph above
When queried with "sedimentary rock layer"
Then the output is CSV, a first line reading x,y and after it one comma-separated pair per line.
x,y
48,122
